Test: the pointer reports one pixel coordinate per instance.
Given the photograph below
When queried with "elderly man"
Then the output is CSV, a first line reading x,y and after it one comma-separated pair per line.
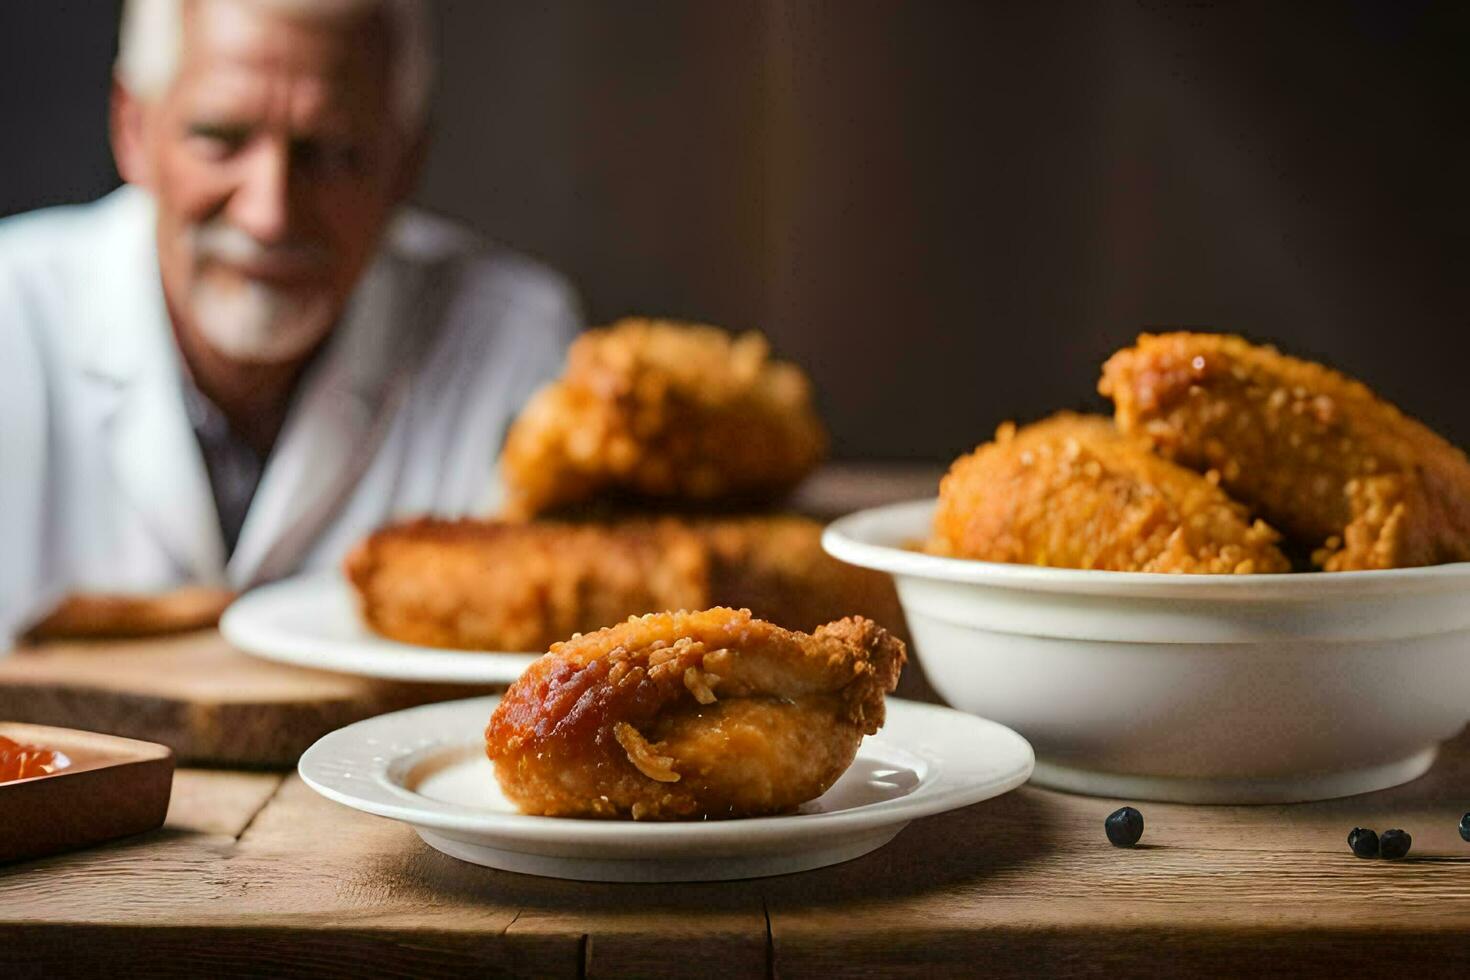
x,y
234,366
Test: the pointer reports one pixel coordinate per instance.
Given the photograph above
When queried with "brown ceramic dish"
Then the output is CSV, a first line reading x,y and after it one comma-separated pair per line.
x,y
113,787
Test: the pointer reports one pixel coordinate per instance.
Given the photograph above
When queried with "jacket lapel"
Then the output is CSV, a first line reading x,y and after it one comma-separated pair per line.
x,y
131,366
335,426
156,459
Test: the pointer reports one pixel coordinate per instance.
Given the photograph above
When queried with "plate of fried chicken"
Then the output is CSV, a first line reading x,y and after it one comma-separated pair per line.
x,y
689,746
649,477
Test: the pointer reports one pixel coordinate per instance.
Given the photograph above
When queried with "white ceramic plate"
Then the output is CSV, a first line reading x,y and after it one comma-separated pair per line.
x,y
312,621
427,767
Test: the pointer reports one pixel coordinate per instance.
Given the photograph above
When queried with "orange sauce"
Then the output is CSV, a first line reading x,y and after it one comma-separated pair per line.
x,y
20,761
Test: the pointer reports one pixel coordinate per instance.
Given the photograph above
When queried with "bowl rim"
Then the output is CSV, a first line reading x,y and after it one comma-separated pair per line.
x,y
865,538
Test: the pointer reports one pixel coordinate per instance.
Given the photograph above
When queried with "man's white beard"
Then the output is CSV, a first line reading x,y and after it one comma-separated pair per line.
x,y
256,323
247,320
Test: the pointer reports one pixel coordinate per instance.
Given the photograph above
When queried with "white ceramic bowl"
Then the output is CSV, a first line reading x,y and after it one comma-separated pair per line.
x,y
1191,688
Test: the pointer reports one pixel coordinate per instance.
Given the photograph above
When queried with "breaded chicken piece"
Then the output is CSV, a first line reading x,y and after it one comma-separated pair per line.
x,y
774,565
83,616
663,413
1316,453
691,715
487,585
484,585
1072,492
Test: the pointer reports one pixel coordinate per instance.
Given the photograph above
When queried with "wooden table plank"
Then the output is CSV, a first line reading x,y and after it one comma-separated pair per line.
x,y
49,951
219,801
1019,885
647,930
378,872
193,692
1031,879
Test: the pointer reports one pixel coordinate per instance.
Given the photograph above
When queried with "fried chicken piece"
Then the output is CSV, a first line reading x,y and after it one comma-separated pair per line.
x,y
483,585
691,715
83,615
1070,491
486,585
774,565
658,412
1316,453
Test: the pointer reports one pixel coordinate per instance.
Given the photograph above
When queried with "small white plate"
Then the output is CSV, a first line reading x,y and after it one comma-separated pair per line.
x,y
312,621
426,767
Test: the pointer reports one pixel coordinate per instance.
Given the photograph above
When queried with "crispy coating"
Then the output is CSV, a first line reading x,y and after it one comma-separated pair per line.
x,y
1316,453
662,413
1070,491
487,585
774,565
691,715
83,616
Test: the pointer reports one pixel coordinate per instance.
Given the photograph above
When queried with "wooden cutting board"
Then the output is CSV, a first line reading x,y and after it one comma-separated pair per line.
x,y
198,695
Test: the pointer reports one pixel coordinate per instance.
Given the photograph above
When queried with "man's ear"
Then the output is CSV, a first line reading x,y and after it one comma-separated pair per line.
x,y
127,117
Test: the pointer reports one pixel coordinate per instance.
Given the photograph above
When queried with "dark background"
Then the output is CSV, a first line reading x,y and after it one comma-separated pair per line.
x,y
950,213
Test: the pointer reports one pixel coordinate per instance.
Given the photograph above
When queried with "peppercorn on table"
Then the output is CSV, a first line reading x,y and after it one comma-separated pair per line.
x,y
253,872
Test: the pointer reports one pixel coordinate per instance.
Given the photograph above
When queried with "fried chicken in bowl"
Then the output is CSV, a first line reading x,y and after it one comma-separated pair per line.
x,y
1071,491
1057,589
1259,688
1316,453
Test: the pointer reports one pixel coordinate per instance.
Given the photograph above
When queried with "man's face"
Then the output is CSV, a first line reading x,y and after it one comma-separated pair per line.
x,y
275,159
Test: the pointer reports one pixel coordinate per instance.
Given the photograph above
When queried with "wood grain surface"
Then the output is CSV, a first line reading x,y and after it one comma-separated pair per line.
x,y
254,872
196,694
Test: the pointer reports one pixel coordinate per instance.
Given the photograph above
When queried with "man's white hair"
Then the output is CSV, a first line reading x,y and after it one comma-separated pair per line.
x,y
152,32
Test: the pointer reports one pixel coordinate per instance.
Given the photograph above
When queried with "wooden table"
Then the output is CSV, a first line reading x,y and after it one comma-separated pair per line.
x,y
256,873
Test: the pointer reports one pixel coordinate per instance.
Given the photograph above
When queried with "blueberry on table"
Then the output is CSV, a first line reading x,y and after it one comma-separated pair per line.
x,y
1394,844
1364,842
1465,827
1124,827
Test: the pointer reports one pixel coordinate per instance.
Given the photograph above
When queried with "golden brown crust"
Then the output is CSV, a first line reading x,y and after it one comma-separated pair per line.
x,y
488,585
676,716
775,566
1317,453
98,616
1071,492
663,413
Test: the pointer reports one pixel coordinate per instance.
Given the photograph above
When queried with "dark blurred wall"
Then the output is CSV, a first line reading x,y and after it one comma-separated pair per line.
x,y
949,212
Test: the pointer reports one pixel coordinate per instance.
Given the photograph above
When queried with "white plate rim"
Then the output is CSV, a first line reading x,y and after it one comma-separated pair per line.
x,y
869,539
250,625
940,792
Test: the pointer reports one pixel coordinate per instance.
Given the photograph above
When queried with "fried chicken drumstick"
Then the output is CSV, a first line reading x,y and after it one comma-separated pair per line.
x,y
1316,453
691,715
661,413
1070,491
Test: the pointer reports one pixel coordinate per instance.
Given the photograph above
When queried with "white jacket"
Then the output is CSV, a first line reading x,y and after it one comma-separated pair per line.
x,y
102,483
